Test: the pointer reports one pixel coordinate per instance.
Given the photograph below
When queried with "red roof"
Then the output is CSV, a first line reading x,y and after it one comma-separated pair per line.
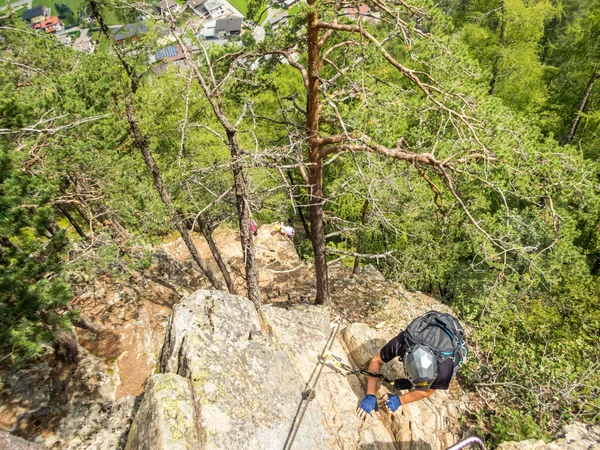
x,y
50,21
362,10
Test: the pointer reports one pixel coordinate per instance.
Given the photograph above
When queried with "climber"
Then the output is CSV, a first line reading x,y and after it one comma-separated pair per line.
x,y
432,347
253,229
286,231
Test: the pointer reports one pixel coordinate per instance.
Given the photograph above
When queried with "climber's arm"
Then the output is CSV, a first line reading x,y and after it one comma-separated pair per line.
x,y
374,366
415,395
369,403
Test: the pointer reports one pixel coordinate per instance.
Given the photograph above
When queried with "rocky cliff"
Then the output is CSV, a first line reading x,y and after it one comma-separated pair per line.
x,y
232,378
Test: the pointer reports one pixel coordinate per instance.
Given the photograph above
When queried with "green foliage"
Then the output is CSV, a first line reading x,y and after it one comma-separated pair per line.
x,y
527,286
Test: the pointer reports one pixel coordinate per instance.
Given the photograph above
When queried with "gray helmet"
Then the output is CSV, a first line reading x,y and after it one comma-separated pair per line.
x,y
420,365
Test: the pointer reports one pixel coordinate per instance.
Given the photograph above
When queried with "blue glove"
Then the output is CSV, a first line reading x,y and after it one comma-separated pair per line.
x,y
393,402
368,404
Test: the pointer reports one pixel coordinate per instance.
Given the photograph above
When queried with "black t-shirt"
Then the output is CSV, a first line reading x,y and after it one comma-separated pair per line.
x,y
395,348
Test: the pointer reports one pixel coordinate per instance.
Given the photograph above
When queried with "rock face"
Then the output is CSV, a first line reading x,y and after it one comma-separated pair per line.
x,y
232,378
577,436
10,442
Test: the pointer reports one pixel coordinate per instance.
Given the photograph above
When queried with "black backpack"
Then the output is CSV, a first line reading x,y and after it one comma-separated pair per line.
x,y
442,333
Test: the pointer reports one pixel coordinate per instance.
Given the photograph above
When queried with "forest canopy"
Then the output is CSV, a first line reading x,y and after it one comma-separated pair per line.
x,y
452,144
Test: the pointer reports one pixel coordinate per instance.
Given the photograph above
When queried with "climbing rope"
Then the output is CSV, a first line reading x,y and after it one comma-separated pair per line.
x,y
335,362
308,394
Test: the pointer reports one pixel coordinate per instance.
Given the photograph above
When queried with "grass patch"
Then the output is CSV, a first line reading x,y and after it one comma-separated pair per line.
x,y
104,45
101,41
241,6
110,16
2,3
74,34
294,10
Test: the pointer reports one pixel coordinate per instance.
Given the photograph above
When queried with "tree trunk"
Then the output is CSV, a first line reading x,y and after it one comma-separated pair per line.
x,y
359,246
237,168
300,213
66,346
497,59
207,232
142,144
84,321
315,171
63,209
584,101
244,220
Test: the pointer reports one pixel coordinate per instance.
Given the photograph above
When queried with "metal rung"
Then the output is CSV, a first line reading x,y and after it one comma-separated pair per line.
x,y
473,440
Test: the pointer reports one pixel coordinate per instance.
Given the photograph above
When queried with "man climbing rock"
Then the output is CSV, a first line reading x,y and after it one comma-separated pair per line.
x,y
432,347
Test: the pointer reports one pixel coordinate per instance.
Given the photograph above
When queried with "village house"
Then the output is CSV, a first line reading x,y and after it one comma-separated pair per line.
x,y
130,32
36,15
173,53
355,13
215,8
84,44
279,19
50,24
222,28
169,7
197,7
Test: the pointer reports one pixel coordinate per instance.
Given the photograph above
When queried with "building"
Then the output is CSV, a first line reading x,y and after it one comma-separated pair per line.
x,y
36,15
84,44
229,26
279,19
222,28
214,8
354,13
50,24
131,31
172,53
169,7
197,7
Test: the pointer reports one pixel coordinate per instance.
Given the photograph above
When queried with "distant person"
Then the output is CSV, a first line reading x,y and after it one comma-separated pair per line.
x,y
287,231
253,228
432,347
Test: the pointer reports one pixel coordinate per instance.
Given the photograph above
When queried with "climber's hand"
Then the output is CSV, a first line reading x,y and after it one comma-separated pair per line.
x,y
367,406
390,403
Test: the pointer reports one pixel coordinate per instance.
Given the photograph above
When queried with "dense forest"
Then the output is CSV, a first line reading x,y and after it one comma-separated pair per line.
x,y
453,144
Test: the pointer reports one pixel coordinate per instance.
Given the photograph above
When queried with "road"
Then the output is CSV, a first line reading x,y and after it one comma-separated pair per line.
x,y
17,4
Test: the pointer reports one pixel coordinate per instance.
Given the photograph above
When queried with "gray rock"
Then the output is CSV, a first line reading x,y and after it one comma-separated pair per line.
x,y
165,420
301,332
245,389
576,436
237,377
94,425
11,442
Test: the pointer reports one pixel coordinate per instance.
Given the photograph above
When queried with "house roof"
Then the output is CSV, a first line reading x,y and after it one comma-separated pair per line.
x,y
196,3
211,5
82,44
49,21
229,24
278,17
33,12
171,53
362,10
130,30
